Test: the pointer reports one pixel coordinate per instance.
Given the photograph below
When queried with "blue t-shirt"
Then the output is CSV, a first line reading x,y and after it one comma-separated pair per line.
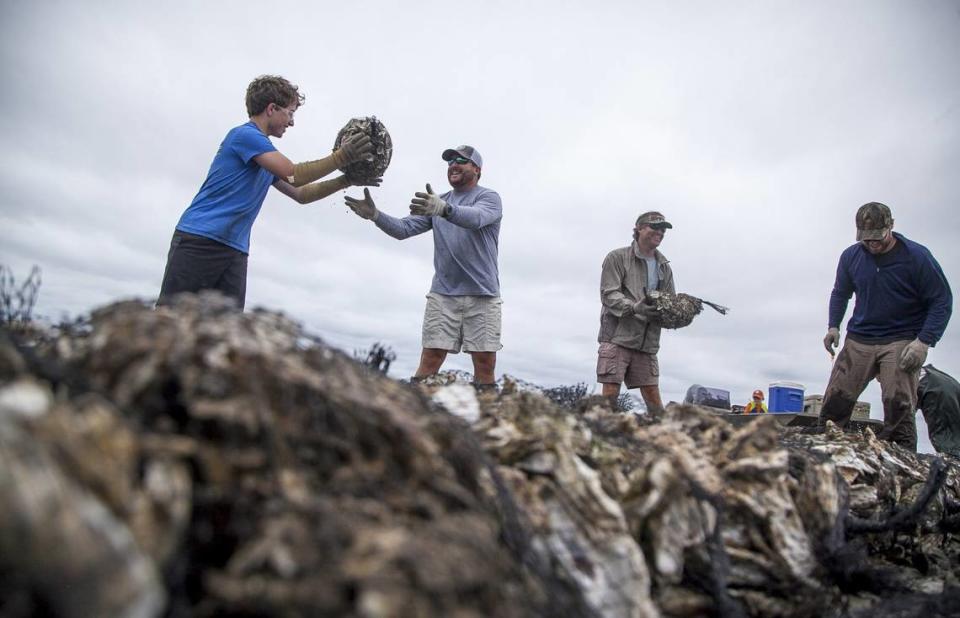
x,y
230,198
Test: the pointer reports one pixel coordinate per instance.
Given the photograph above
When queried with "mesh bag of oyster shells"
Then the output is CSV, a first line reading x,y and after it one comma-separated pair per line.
x,y
365,171
676,310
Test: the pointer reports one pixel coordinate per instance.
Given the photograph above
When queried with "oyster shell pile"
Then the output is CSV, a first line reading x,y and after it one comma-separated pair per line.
x,y
194,460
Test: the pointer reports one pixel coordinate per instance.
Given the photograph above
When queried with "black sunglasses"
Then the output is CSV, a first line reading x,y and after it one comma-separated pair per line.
x,y
460,160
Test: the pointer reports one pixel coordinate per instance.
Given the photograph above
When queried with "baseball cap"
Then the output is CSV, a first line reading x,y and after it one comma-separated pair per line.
x,y
873,221
654,219
467,152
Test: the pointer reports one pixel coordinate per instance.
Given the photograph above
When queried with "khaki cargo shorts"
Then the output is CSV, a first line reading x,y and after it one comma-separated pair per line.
x,y
616,364
470,322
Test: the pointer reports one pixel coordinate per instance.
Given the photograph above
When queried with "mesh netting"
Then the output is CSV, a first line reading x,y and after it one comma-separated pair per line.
x,y
363,172
676,310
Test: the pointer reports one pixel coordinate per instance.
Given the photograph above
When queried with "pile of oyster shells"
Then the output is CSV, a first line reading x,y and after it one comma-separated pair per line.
x,y
197,461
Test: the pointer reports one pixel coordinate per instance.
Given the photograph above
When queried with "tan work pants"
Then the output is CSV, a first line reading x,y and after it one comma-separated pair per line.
x,y
857,364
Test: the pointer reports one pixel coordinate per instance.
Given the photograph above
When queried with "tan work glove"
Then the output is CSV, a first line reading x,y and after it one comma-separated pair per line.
x,y
365,208
913,356
832,340
319,190
351,150
428,204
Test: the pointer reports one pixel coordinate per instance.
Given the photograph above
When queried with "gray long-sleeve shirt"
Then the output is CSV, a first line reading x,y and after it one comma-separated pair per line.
x,y
465,243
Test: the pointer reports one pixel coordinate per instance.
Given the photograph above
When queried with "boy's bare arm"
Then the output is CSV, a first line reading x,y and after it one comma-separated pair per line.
x,y
275,163
300,174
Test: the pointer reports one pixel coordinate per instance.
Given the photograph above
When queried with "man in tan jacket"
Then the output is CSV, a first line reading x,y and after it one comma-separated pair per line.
x,y
629,328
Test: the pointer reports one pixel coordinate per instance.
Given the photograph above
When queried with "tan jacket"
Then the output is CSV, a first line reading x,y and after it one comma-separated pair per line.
x,y
622,283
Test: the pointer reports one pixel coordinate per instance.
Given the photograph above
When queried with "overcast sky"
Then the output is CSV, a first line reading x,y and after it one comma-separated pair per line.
x,y
758,128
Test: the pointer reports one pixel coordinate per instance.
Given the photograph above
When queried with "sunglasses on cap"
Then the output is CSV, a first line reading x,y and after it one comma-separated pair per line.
x,y
885,231
460,160
662,227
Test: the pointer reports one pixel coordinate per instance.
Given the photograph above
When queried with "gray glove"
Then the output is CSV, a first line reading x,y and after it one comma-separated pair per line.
x,y
428,204
832,340
913,356
364,208
356,148
646,312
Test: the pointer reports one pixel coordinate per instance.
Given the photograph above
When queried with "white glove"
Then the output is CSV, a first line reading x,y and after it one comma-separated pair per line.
x,y
832,340
913,356
428,204
364,208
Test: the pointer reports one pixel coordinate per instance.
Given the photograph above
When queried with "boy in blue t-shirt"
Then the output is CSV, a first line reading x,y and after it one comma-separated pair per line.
x,y
212,239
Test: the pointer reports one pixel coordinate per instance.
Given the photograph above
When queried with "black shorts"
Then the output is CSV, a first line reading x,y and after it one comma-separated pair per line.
x,y
196,263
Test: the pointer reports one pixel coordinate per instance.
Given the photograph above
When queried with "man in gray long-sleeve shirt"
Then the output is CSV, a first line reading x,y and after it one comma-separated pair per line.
x,y
463,306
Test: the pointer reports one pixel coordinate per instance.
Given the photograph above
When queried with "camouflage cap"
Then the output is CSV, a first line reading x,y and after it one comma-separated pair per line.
x,y
654,219
873,221
467,152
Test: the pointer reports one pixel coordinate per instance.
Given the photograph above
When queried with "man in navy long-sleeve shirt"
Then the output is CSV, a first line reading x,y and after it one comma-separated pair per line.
x,y
463,306
902,308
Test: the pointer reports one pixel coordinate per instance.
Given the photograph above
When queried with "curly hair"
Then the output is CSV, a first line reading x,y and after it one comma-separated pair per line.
x,y
268,89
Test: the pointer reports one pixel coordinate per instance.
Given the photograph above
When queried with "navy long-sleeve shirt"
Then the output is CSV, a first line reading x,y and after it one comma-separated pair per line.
x,y
901,294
